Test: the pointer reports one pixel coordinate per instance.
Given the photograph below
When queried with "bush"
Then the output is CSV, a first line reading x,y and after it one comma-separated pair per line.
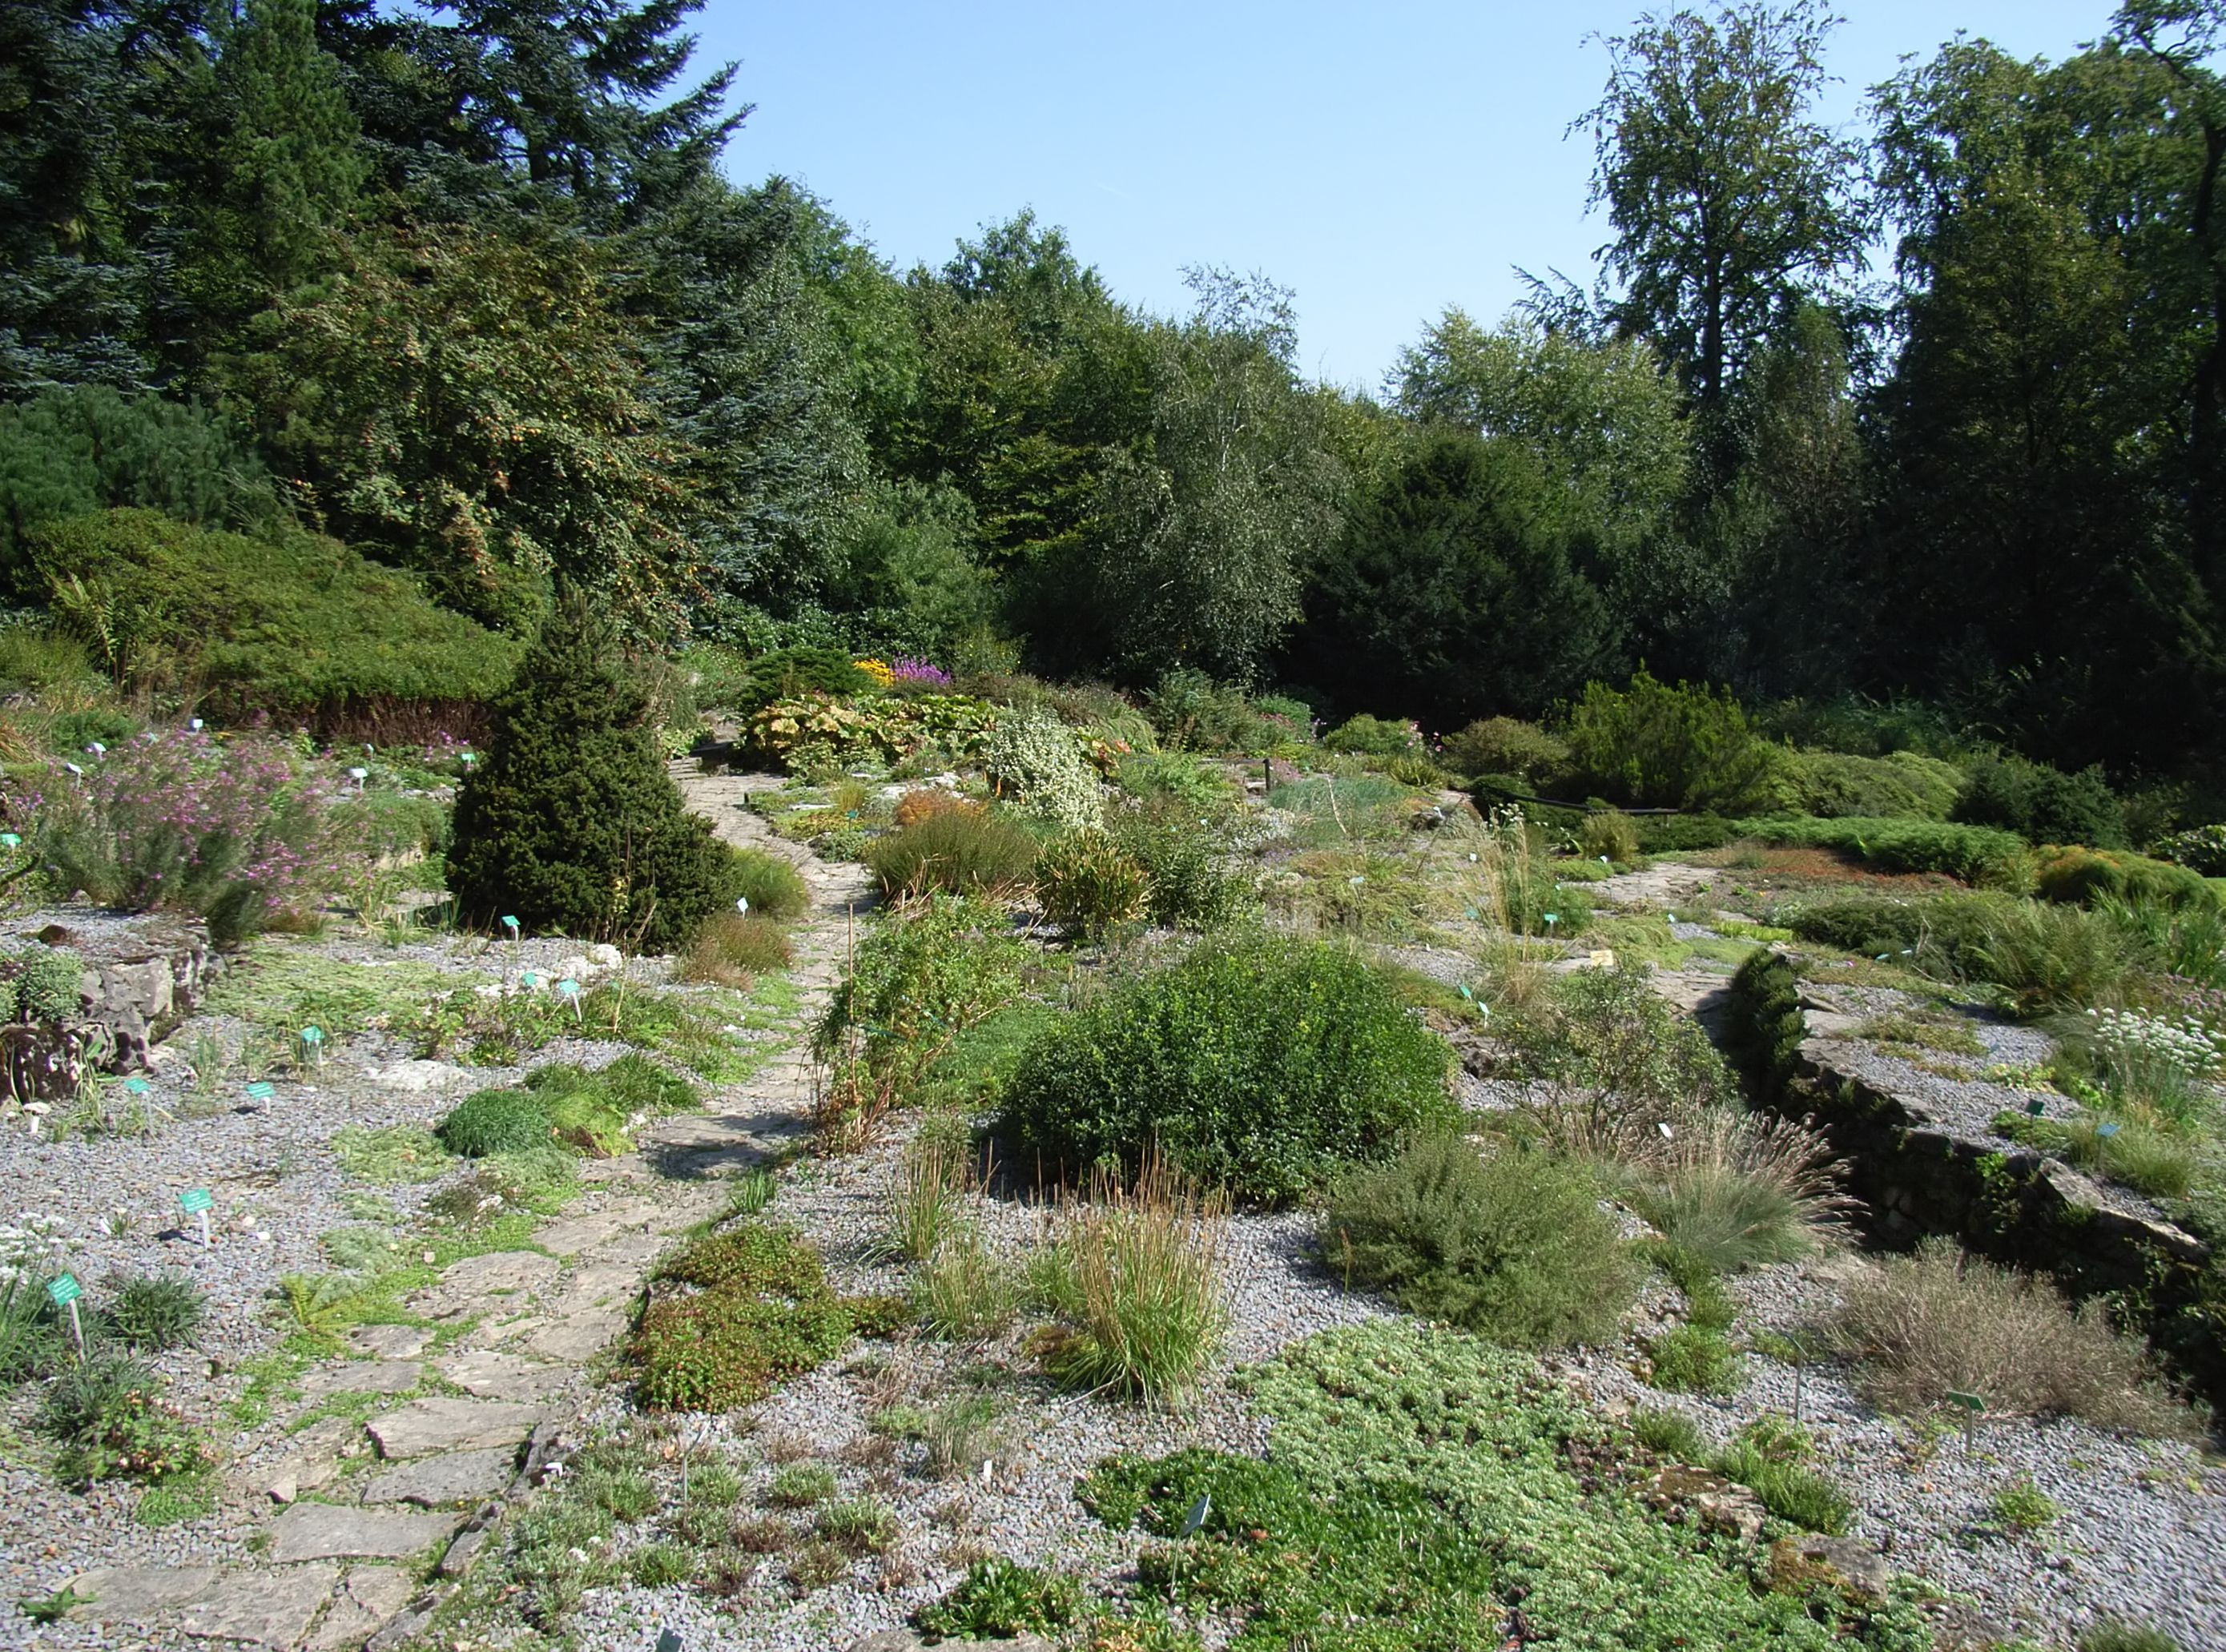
x,y
1684,747
1669,1434
1834,784
1938,1321
2084,877
1256,1064
732,949
1189,886
572,825
41,984
286,624
761,1310
2047,958
1612,836
1036,764
962,850
1367,736
1138,1284
1193,713
1736,1191
184,822
921,802
489,1122
2201,849
1089,884
1686,833
790,673
1002,1599
1980,855
2042,805
1513,1245
774,888
1765,1026
1174,778
1508,747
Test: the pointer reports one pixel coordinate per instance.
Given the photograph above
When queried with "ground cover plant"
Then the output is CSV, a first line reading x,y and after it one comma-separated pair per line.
x,y
1437,1469
1256,1064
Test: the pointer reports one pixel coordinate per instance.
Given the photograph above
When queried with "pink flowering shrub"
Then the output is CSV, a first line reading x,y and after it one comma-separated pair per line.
x,y
180,821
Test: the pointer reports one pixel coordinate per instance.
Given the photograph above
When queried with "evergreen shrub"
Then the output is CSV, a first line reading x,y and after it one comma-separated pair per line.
x,y
960,850
572,825
1509,746
1688,747
2042,805
1089,884
1259,1064
1367,736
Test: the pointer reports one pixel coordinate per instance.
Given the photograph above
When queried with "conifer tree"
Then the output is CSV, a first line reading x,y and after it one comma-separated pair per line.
x,y
572,826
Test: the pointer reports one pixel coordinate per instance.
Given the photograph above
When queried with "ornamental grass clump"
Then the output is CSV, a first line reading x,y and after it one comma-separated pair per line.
x,y
1737,1190
1257,1064
178,819
1089,884
961,849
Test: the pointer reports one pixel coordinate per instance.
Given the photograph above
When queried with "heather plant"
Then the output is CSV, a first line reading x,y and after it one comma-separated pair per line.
x,y
180,820
1505,746
959,847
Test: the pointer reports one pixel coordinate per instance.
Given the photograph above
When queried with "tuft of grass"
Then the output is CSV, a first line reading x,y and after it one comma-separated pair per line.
x,y
751,1191
397,1153
858,1526
963,849
1002,1599
1737,1190
801,1485
928,1195
2116,1635
2023,1507
153,1310
962,1433
1143,1273
734,949
1924,1325
1669,1434
964,1290
1768,1458
659,1565
773,885
1694,1359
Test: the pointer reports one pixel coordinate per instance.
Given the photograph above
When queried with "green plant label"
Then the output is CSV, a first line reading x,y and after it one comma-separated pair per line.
x,y
1970,1402
262,1091
195,1200
2104,1131
10,840
528,978
136,1086
313,1035
569,987
2036,1107
1198,1511
509,923
64,1289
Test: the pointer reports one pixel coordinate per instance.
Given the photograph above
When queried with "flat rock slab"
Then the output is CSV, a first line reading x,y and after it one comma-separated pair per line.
x,y
418,1077
390,1342
137,1594
494,1376
372,1595
363,1377
452,1477
423,1426
488,1284
324,1531
576,1234
578,1338
261,1608
602,1286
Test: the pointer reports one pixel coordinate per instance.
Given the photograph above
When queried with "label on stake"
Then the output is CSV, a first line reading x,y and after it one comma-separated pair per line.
x,y
64,1289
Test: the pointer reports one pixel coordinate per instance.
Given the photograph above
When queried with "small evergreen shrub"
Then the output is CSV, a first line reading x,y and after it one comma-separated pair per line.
x,y
1367,736
2042,805
760,1309
1833,783
1257,1064
1611,836
1687,747
1983,857
41,984
2083,877
1764,1025
1189,887
572,825
1193,713
790,673
490,1122
1514,1246
1090,886
962,851
1505,745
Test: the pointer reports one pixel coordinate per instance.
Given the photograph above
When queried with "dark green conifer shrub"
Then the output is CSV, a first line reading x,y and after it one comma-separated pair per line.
x,y
2042,804
572,826
1764,1027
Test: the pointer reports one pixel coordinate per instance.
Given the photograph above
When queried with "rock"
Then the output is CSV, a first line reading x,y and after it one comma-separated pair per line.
x,y
418,1077
499,1272
363,1377
503,1376
1716,1504
427,1426
452,1477
390,1342
324,1531
579,1338
314,1458
1858,1571
137,1594
372,1596
261,1608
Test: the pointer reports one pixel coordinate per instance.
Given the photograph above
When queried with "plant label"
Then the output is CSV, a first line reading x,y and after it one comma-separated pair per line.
x,y
196,1202
261,1091
2036,1107
2104,1131
65,1290
135,1086
1198,1511
10,840
1972,1406
743,904
510,924
528,978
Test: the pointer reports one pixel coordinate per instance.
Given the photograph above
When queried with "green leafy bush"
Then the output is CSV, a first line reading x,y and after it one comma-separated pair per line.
x,y
290,623
41,984
2201,849
572,825
1190,884
1688,748
2042,805
494,1121
1000,1599
1764,1025
1175,777
788,674
1089,884
1036,764
760,1309
2084,876
1259,1064
1834,784
1610,836
1506,746
963,851
774,888
1513,1245
1193,713
1367,736
2047,958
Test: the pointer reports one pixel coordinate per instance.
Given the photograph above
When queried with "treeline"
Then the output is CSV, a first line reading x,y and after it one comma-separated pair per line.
x,y
465,288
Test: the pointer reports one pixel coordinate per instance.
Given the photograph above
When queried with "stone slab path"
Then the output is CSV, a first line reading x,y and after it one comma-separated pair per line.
x,y
361,1506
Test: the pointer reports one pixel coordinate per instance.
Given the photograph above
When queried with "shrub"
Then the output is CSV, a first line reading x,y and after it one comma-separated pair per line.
x,y
1089,884
180,821
788,673
1764,1025
959,850
760,1311
2187,941
1684,747
1189,886
732,949
41,984
1736,1191
572,825
2087,877
1256,1064
1980,855
1924,1325
1832,784
1509,746
1513,1245
1035,763
774,888
1611,836
1669,1434
1174,778
921,802
2047,958
1140,1287
106,1413
290,623
2116,1635
1367,736
1694,1359
1000,1598
495,1121
154,1312
2200,850
1193,713
2041,803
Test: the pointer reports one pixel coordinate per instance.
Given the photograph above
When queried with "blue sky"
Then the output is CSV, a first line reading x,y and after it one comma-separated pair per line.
x,y
1383,160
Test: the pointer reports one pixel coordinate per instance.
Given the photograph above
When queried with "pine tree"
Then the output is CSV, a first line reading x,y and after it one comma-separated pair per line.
x,y
572,827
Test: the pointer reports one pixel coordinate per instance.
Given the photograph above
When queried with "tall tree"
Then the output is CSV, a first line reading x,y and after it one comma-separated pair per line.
x,y
1729,198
